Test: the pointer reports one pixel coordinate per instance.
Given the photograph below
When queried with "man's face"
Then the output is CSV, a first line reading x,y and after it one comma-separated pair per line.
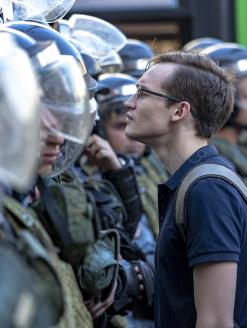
x,y
148,118
115,134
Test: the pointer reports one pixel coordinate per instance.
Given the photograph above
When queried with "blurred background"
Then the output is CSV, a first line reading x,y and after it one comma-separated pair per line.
x,y
168,24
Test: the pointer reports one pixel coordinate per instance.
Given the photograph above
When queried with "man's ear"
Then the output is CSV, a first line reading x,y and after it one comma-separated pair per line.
x,y
180,111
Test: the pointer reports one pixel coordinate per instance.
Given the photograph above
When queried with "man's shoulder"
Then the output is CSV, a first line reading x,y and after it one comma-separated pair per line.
x,y
212,185
215,182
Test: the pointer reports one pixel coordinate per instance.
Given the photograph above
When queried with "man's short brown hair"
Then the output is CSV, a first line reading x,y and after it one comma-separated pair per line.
x,y
207,87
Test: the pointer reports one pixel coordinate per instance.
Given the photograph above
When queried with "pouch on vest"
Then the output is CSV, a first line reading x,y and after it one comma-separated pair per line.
x,y
111,214
98,273
110,208
67,214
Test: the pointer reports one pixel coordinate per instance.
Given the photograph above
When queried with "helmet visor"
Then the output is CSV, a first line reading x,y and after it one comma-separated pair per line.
x,y
65,100
107,32
19,119
69,152
38,10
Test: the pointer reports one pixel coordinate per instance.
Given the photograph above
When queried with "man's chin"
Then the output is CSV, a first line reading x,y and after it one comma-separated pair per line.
x,y
133,136
130,134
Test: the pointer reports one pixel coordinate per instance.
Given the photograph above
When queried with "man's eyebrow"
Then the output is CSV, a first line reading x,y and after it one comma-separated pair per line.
x,y
142,87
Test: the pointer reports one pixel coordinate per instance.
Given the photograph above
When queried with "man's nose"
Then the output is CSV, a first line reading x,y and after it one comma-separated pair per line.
x,y
130,103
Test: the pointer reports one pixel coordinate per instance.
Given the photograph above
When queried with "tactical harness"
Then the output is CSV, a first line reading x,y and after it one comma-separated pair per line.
x,y
71,217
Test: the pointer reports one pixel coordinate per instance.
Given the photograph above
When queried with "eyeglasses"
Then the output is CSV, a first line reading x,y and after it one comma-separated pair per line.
x,y
141,89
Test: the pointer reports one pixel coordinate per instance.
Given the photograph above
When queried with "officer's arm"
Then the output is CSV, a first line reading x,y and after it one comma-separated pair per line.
x,y
214,293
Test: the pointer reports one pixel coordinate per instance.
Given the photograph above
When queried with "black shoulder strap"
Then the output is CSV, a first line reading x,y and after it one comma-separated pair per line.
x,y
197,173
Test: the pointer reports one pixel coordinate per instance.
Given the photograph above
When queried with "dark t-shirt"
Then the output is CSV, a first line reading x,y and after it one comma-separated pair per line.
x,y
216,230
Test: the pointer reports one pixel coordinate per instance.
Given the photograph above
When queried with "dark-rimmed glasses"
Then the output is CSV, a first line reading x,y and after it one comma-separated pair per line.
x,y
141,89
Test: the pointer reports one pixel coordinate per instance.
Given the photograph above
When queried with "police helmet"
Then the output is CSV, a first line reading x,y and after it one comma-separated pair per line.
x,y
115,88
23,40
93,68
41,32
232,57
135,56
112,63
112,92
69,94
228,55
199,44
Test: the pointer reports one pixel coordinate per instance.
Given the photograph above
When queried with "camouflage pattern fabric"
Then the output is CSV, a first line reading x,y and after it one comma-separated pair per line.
x,y
150,173
75,312
242,141
118,321
234,154
23,298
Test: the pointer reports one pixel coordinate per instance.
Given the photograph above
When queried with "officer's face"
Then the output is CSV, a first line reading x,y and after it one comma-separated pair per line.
x,y
148,118
115,134
50,146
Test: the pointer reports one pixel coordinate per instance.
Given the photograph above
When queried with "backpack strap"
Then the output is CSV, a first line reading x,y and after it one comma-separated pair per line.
x,y
197,173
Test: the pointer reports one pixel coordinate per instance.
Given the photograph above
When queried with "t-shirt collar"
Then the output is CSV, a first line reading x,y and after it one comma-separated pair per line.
x,y
199,156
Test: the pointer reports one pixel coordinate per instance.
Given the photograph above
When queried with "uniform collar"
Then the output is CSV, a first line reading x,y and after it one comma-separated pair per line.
x,y
199,156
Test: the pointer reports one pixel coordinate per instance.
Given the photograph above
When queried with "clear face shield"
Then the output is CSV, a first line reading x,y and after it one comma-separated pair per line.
x,y
99,37
38,10
65,98
66,110
20,120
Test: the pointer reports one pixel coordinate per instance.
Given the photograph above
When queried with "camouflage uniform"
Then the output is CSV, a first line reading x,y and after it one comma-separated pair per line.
x,y
234,154
242,141
149,173
75,312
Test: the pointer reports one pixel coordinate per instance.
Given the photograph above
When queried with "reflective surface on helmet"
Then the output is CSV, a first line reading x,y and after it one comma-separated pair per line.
x,y
37,10
93,107
138,64
41,32
64,27
65,97
200,43
92,44
110,34
124,90
241,65
19,116
43,53
111,63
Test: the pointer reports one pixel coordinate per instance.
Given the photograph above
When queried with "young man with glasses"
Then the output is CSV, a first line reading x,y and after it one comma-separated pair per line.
x,y
181,101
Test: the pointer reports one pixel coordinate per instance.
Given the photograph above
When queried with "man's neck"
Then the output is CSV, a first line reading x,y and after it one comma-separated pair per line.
x,y
175,152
